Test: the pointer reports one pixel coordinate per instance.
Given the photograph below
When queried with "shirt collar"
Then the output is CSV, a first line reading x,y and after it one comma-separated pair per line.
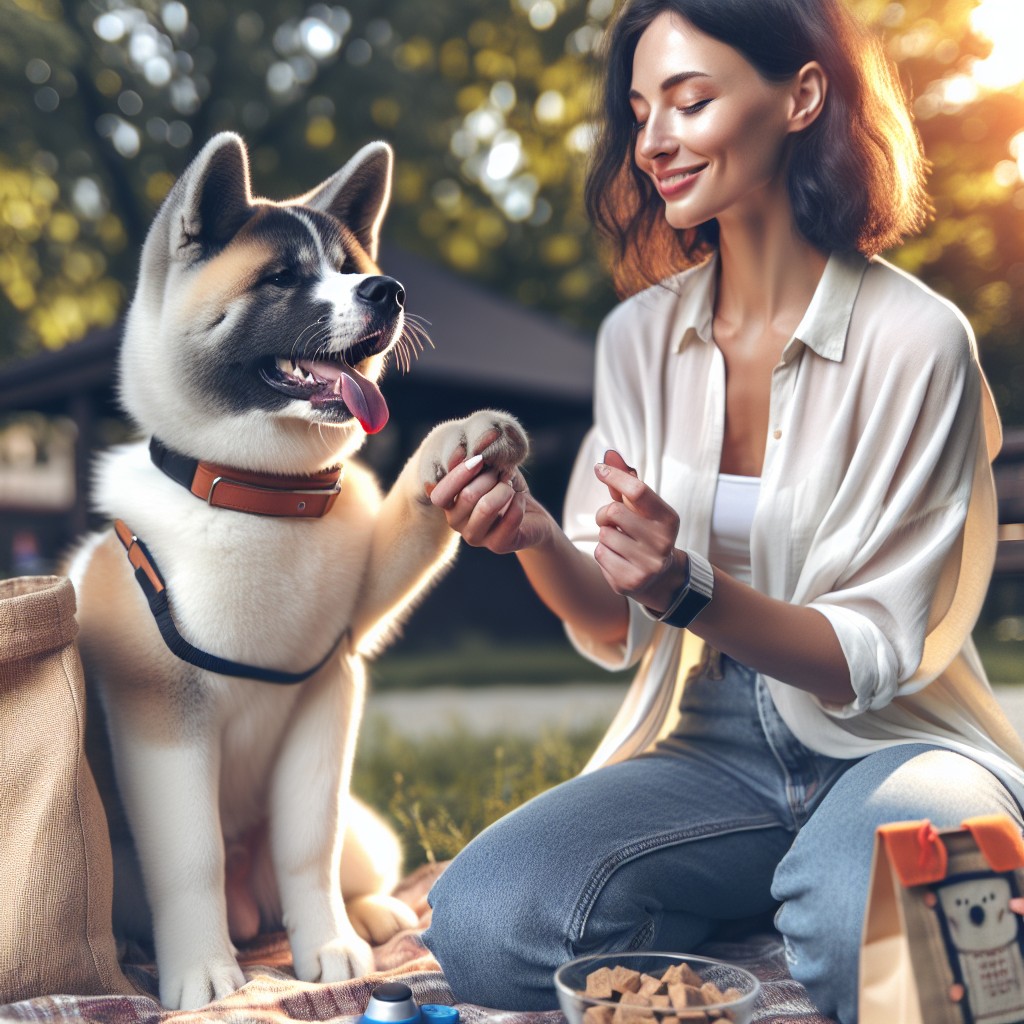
x,y
824,325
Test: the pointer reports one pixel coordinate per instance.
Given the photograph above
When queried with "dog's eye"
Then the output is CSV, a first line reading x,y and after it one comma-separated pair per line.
x,y
281,279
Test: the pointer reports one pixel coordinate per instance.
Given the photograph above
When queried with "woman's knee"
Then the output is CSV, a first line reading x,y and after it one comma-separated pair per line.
x,y
481,931
823,879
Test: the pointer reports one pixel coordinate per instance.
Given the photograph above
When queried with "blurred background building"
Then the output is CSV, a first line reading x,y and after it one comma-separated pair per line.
x,y
488,105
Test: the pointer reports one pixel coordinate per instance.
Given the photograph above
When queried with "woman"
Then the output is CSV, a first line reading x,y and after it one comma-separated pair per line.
x,y
811,435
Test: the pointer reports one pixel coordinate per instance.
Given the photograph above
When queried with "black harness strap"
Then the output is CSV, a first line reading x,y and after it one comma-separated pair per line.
x,y
156,596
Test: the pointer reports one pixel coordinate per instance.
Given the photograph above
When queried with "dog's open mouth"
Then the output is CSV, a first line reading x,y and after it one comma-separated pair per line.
x,y
329,384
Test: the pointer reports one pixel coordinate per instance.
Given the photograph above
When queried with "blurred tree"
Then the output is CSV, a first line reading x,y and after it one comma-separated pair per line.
x,y
487,103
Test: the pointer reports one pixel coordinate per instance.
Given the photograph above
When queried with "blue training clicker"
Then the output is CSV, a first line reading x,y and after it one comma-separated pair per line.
x,y
393,1004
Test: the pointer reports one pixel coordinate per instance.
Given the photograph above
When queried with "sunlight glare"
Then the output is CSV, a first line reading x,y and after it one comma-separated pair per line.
x,y
1002,21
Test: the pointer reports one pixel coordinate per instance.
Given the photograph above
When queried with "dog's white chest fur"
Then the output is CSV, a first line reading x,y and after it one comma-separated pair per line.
x,y
272,613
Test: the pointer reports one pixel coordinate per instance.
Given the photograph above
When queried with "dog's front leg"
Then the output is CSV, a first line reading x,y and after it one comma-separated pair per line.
x,y
170,792
411,538
308,804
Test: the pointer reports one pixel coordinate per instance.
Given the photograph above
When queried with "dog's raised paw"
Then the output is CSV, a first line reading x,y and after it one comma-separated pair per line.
x,y
335,960
199,984
497,436
378,917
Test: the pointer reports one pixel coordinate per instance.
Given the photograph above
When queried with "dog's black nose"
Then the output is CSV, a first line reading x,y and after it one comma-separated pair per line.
x,y
978,915
384,292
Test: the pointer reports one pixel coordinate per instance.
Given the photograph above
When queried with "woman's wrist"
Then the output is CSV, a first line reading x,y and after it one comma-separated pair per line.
x,y
662,591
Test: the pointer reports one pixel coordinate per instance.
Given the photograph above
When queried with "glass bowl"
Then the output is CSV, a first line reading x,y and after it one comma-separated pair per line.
x,y
580,1008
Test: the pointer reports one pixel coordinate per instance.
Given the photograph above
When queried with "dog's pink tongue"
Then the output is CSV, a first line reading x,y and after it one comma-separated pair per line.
x,y
364,400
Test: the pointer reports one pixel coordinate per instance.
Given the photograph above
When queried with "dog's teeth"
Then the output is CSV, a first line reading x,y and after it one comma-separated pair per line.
x,y
282,365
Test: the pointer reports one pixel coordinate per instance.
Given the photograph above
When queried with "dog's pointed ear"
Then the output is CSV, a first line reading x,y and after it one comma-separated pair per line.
x,y
211,200
358,194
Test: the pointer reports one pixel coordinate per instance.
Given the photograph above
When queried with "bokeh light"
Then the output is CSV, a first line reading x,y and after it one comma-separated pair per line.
x,y
1002,22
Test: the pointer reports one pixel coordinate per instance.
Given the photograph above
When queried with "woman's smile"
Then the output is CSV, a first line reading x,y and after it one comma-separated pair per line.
x,y
674,182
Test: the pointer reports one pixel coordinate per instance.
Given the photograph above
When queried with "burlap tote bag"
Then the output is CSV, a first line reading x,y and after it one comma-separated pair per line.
x,y
940,943
56,877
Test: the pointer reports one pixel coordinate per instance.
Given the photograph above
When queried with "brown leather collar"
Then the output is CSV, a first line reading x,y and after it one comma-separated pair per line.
x,y
265,494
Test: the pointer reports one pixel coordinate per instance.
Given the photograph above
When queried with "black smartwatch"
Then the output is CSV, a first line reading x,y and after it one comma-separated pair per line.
x,y
692,597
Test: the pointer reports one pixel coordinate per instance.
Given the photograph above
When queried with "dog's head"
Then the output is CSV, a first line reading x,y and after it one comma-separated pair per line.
x,y
258,329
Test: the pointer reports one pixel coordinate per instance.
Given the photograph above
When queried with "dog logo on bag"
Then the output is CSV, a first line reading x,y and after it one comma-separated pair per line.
x,y
983,934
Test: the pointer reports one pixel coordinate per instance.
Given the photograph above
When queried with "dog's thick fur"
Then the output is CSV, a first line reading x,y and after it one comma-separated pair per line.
x,y
230,289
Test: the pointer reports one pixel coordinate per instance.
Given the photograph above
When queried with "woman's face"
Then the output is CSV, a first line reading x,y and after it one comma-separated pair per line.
x,y
711,131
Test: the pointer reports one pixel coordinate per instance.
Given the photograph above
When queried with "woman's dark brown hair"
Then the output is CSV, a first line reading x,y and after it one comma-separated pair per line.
x,y
855,176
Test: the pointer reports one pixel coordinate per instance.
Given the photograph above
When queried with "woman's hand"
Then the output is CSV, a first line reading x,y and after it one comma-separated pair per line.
x,y
638,531
491,510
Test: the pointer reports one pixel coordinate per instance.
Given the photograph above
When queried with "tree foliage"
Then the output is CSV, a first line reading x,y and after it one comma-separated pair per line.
x,y
488,104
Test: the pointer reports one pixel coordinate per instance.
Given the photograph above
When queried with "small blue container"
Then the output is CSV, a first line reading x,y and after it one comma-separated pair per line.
x,y
391,1004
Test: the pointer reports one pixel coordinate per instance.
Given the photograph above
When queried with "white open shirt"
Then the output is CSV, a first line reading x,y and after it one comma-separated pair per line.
x,y
877,505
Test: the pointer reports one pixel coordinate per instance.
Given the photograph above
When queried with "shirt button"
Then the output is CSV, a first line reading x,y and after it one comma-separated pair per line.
x,y
777,434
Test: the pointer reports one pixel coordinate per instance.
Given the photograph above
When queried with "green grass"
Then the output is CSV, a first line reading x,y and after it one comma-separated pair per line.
x,y
439,792
478,661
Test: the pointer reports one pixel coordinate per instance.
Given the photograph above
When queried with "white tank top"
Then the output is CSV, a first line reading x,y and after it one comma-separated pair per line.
x,y
735,501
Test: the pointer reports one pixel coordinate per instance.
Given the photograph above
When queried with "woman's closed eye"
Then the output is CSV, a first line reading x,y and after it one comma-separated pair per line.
x,y
693,108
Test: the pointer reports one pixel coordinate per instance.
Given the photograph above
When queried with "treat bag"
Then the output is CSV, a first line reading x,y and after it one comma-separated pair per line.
x,y
940,944
55,861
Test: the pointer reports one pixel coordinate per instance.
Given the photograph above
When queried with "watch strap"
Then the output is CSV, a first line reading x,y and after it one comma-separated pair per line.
x,y
693,596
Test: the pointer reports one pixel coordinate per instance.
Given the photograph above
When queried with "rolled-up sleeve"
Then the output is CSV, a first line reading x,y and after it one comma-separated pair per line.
x,y
895,532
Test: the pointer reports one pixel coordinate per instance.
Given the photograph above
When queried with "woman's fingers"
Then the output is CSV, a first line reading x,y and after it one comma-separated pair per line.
x,y
618,571
636,495
505,533
616,461
485,513
465,501
445,491
646,563
620,517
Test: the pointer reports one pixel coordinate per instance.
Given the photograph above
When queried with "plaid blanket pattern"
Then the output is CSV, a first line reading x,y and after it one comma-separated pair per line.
x,y
273,996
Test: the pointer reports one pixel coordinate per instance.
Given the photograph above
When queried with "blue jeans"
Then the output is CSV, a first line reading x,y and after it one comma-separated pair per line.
x,y
725,820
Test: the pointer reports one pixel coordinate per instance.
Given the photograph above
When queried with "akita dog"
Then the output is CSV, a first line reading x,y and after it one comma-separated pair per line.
x,y
258,554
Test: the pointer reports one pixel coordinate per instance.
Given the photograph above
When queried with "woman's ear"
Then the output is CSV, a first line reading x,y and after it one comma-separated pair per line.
x,y
810,86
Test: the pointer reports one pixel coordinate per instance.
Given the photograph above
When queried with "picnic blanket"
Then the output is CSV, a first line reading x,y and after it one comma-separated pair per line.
x,y
273,996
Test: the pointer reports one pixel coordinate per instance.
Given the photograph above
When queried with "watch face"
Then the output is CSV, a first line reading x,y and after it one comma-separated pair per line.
x,y
689,606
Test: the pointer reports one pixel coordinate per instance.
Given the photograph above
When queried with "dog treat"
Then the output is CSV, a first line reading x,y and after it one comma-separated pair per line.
x,y
599,983
682,974
651,986
633,1008
642,998
683,996
712,993
624,980
634,999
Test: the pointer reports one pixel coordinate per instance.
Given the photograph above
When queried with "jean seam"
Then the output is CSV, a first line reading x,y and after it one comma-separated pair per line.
x,y
762,696
599,877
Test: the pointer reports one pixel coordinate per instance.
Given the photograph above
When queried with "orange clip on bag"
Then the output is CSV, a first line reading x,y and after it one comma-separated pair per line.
x,y
940,944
